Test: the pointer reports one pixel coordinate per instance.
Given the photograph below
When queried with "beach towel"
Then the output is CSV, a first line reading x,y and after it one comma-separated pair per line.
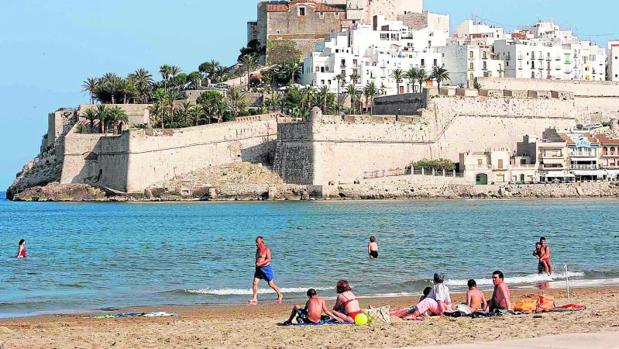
x,y
133,315
379,314
545,303
568,308
331,323
525,305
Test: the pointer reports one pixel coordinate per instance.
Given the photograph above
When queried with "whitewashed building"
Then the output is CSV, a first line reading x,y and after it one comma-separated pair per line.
x,y
544,51
365,54
613,60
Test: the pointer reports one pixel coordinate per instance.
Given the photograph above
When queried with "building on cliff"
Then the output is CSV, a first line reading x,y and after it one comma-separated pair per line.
x,y
286,27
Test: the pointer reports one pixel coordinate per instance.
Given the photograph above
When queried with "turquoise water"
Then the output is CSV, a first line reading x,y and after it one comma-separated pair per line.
x,y
93,256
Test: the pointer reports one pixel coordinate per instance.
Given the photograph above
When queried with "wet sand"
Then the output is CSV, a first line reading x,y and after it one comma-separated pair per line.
x,y
234,326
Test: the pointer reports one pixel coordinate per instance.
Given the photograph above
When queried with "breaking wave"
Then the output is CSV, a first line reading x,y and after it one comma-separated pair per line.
x,y
244,292
525,279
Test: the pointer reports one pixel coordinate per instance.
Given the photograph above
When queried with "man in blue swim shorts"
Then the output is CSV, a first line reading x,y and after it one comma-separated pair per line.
x,y
264,270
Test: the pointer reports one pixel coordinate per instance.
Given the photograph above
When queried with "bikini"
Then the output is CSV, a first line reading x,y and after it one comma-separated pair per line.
x,y
352,314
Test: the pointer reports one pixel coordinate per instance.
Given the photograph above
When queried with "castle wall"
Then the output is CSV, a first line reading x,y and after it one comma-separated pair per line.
x,y
138,159
348,149
595,101
137,114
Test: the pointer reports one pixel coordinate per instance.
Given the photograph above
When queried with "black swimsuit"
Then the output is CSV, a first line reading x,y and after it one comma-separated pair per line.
x,y
374,254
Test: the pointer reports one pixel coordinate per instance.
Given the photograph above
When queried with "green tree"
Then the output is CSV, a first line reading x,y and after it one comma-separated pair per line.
x,y
351,91
237,100
248,63
439,74
323,99
143,83
91,85
214,104
422,77
166,73
196,79
103,117
340,79
398,75
210,69
91,115
162,106
196,113
370,91
116,115
411,75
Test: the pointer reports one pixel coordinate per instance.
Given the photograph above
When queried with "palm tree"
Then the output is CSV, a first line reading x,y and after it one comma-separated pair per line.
x,y
307,98
439,74
143,83
102,116
340,78
323,99
398,75
90,85
196,79
116,115
196,112
91,115
162,105
237,100
112,85
370,91
422,77
166,72
249,64
352,92
214,104
210,69
411,75
128,89
175,70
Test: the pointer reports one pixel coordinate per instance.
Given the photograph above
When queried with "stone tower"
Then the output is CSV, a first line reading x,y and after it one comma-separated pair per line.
x,y
365,10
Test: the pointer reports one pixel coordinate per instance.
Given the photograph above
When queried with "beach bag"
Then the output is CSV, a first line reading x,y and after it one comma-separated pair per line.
x,y
545,303
526,305
378,315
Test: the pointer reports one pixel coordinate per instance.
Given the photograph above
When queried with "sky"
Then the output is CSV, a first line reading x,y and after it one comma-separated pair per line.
x,y
47,48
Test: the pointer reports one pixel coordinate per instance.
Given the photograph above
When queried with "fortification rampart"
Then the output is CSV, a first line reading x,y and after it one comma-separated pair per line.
x,y
138,159
595,101
343,150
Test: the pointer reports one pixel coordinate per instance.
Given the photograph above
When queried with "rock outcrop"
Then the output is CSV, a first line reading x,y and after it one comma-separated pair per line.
x,y
61,192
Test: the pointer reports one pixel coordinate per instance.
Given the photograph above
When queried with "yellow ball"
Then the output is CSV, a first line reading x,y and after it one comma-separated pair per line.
x,y
361,319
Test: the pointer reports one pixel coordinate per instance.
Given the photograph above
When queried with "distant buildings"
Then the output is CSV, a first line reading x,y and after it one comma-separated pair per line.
x,y
613,60
568,156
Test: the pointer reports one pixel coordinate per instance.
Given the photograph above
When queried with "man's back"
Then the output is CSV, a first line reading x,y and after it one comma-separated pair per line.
x,y
314,308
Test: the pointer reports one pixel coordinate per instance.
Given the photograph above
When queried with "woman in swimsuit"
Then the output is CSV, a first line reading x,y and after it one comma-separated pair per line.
x,y
373,247
346,306
21,250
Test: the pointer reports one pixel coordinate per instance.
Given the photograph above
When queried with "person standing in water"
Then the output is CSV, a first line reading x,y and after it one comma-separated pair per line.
x,y
21,250
373,247
544,256
264,270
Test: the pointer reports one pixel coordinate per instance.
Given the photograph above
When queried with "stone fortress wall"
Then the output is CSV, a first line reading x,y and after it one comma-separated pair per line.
x,y
595,101
331,149
138,159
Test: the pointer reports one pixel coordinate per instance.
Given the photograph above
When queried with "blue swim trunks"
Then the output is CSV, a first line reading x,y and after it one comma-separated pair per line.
x,y
264,273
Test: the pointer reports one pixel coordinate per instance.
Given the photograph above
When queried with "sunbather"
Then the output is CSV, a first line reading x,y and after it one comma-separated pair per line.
x,y
312,312
501,296
346,306
440,293
475,298
425,307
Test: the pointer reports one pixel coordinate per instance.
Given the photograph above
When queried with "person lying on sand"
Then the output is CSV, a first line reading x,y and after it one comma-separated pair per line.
x,y
312,313
475,298
501,296
346,306
425,307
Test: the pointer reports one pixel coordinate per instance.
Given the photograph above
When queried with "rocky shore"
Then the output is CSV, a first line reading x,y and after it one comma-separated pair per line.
x,y
263,192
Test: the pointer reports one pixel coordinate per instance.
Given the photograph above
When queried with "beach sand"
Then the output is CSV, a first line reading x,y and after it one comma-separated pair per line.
x,y
256,327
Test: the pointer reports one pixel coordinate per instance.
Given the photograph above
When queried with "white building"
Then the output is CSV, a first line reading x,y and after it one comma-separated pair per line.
x,y
544,51
613,60
470,31
367,54
467,61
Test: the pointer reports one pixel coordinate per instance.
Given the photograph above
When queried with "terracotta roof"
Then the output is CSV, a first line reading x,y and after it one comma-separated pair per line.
x,y
318,7
604,139
567,139
570,140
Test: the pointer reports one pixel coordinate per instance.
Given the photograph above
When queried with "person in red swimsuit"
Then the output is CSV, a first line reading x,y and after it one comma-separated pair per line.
x,y
346,306
21,250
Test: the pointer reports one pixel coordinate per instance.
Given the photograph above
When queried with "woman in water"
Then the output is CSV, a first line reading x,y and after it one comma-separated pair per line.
x,y
21,250
346,306
373,247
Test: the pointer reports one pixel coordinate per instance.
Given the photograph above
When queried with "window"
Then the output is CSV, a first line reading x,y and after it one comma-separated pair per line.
x,y
485,65
423,62
321,15
302,11
435,62
500,164
480,162
471,67
471,55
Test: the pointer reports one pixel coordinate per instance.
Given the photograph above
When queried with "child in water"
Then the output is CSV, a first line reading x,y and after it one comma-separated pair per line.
x,y
373,247
542,264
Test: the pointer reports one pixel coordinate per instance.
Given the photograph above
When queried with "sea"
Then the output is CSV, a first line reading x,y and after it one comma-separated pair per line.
x,y
85,257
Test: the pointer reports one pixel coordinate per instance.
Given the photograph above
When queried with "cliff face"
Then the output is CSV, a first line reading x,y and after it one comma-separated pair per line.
x,y
46,167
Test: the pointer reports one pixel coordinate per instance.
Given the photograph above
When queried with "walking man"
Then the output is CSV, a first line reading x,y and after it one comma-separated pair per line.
x,y
264,270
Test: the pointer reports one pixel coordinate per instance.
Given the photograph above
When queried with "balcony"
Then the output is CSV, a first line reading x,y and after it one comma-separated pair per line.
x,y
584,154
584,167
547,160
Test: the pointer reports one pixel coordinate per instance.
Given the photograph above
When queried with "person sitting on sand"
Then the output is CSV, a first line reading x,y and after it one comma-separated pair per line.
x,y
21,249
263,270
425,307
475,298
373,247
545,256
346,306
312,313
500,300
440,293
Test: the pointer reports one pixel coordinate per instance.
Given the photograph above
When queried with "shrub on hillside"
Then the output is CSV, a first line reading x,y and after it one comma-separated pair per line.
x,y
438,164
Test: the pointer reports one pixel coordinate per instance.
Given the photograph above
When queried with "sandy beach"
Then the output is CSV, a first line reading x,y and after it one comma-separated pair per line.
x,y
246,326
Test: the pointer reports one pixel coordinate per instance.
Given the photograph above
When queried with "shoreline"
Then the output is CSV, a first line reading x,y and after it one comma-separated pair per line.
x,y
200,326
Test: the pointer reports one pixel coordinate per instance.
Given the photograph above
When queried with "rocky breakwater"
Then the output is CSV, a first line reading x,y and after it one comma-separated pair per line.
x,y
62,192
